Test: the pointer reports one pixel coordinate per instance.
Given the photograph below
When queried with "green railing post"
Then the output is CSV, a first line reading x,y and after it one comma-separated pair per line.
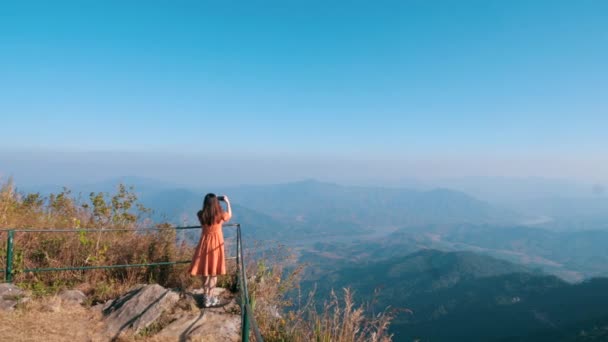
x,y
245,325
8,272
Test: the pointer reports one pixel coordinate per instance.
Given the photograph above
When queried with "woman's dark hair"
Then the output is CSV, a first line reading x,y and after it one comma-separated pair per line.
x,y
212,212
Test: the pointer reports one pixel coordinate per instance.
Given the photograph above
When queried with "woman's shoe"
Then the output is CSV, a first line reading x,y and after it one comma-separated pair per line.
x,y
208,301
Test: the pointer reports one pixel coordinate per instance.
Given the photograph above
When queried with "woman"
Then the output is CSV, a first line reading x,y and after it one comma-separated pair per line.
x,y
208,260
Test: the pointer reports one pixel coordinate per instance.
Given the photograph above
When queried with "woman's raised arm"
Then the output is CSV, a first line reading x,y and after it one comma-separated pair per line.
x,y
228,213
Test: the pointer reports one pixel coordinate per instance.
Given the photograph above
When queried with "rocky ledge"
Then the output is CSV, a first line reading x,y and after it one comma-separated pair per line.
x,y
150,310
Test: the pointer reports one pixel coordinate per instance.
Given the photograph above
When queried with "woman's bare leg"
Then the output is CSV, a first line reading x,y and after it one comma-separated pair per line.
x,y
207,286
209,283
212,283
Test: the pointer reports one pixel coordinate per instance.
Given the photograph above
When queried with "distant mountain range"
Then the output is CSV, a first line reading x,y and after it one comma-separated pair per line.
x,y
309,212
548,203
573,256
583,251
307,200
312,208
421,272
552,204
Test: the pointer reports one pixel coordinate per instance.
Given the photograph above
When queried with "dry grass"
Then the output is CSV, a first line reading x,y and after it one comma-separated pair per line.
x,y
35,322
71,249
339,320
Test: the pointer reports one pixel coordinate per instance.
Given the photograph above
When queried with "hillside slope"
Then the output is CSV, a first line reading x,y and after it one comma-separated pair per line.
x,y
472,297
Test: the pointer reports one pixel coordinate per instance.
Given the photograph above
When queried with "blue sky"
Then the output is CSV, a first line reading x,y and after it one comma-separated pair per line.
x,y
451,83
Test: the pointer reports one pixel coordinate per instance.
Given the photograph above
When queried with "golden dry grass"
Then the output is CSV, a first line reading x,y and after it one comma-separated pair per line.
x,y
72,324
73,249
35,322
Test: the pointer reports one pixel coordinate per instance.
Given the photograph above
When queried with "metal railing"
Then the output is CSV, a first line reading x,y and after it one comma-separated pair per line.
x,y
10,248
247,318
246,310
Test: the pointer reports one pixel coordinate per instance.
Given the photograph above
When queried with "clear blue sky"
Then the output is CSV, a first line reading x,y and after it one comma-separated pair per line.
x,y
393,80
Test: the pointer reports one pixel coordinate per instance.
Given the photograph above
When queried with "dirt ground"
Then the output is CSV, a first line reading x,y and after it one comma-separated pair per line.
x,y
48,320
72,324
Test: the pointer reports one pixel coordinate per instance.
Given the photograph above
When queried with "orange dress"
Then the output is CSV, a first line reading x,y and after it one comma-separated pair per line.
x,y
208,259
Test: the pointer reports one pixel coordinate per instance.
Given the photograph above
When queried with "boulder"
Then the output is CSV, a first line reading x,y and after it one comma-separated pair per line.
x,y
208,325
72,297
138,308
178,319
221,323
10,296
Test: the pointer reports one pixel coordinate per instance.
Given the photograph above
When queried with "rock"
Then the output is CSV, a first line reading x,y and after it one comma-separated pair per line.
x,y
10,291
222,323
208,325
10,295
72,296
6,305
138,308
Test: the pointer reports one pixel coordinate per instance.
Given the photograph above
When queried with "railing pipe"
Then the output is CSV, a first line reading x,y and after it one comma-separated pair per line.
x,y
8,272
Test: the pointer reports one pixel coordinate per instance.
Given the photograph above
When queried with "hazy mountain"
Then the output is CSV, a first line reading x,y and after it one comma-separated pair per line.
x,y
422,271
372,206
570,213
512,189
580,251
472,297
180,206
521,307
313,210
548,203
557,204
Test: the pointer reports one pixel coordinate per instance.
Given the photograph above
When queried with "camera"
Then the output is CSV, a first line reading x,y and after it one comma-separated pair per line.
x,y
220,198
